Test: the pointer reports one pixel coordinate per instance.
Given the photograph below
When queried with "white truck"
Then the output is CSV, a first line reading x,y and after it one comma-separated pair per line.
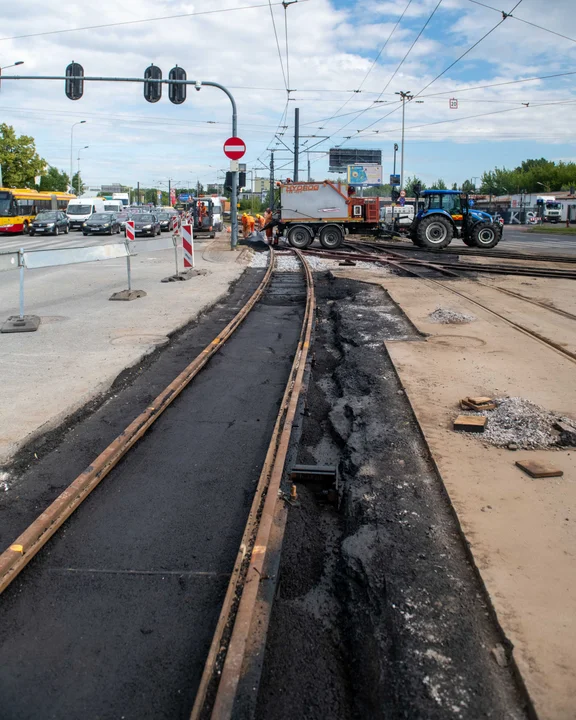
x,y
80,209
124,198
552,209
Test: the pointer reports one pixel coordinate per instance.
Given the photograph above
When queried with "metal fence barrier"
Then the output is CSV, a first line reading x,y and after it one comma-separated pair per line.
x,y
52,257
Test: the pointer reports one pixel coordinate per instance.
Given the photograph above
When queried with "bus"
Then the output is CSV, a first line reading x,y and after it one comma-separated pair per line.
x,y
19,207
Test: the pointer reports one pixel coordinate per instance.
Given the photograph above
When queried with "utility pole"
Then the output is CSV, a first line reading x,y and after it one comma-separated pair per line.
x,y
309,175
138,196
169,189
405,95
296,141
272,181
395,151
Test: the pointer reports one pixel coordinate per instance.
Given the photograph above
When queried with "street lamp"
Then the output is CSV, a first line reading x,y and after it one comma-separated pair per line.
x,y
78,176
80,122
546,187
19,62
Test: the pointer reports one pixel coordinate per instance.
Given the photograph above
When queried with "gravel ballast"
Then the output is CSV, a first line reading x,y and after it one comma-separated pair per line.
x,y
521,423
446,316
290,263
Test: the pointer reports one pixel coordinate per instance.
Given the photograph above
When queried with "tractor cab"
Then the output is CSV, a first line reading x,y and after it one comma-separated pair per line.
x,y
446,214
202,210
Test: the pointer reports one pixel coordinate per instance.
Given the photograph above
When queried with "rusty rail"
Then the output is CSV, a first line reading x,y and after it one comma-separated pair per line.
x,y
245,614
25,547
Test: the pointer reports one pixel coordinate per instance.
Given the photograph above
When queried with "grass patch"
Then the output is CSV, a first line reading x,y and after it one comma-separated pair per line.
x,y
553,229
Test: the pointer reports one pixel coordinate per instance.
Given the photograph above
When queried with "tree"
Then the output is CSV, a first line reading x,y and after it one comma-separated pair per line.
x,y
19,160
439,185
454,186
410,183
78,186
468,186
377,191
54,180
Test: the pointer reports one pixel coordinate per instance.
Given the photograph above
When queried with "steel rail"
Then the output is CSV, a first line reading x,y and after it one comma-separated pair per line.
x,y
36,535
448,271
244,614
521,328
474,252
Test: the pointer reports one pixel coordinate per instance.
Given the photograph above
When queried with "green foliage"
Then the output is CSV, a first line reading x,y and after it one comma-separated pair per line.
x,y
54,181
533,176
19,160
454,186
468,186
439,185
78,187
377,191
410,183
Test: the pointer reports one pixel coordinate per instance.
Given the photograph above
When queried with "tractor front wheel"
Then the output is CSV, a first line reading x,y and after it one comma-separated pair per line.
x,y
434,232
486,235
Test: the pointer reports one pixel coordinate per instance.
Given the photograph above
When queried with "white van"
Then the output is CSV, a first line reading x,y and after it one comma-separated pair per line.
x,y
218,217
114,206
80,209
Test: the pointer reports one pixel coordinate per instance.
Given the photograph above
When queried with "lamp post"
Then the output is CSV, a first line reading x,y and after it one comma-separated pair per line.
x,y
78,160
18,62
395,151
80,122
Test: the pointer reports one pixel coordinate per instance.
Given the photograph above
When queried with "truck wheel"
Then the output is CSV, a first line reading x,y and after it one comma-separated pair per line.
x,y
331,237
299,237
486,235
434,232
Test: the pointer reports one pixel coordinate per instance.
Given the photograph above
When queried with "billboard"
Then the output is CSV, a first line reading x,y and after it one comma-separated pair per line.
x,y
340,158
367,174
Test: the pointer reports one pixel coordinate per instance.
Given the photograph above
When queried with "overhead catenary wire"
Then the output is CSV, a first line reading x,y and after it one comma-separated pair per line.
x,y
143,20
278,47
522,20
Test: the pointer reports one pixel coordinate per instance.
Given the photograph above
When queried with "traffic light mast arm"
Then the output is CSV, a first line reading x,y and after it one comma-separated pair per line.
x,y
199,84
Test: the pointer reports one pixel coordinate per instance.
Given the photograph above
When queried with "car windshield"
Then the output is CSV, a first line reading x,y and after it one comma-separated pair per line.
x,y
449,203
101,217
47,216
163,216
79,209
143,217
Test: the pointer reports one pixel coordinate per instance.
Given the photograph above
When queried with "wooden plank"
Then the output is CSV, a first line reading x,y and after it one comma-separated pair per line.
x,y
538,470
470,423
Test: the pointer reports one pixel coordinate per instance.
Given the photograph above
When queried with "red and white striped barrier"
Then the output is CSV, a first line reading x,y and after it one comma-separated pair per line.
x,y
130,232
187,246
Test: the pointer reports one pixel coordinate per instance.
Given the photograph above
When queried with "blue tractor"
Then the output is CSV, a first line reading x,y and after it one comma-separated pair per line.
x,y
446,214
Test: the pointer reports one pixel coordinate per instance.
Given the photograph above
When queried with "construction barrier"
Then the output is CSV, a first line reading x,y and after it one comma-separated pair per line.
x,y
187,246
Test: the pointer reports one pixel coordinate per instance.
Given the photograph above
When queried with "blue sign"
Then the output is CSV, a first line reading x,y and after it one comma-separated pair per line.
x,y
394,179
184,197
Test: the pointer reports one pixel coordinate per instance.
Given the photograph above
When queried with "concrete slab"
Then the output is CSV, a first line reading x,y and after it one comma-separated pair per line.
x,y
85,341
521,531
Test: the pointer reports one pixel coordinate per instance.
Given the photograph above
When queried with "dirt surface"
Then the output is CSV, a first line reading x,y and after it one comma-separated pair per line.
x,y
521,531
379,614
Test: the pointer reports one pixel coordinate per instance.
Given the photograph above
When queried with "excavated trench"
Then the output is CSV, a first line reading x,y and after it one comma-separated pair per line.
x,y
379,613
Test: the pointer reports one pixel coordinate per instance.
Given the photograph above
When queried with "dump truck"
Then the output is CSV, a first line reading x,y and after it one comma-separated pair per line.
x,y
320,209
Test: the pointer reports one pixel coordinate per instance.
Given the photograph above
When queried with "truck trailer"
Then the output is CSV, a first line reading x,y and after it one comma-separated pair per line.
x,y
320,209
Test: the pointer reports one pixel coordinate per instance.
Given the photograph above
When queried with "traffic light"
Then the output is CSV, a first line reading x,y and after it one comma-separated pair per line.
x,y
241,179
152,90
177,93
228,182
74,88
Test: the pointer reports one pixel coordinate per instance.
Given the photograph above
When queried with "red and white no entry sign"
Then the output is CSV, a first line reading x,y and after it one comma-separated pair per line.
x,y
234,148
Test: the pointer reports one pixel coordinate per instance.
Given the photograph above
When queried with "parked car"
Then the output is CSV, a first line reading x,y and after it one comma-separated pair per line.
x,y
50,222
106,223
165,220
146,224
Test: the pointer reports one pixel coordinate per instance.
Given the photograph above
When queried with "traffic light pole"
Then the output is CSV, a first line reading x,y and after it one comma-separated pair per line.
x,y
198,84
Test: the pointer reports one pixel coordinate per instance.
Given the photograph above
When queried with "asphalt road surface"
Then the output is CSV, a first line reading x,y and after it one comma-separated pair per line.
x,y
515,238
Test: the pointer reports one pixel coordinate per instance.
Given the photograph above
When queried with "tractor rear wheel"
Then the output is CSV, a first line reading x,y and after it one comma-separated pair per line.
x,y
469,241
434,232
486,235
331,237
299,237
414,238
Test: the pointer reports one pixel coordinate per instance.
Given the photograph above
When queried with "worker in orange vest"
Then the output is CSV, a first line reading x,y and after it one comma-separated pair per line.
x,y
245,225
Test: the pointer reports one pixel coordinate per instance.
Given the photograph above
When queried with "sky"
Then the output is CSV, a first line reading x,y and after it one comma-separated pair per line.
x,y
342,61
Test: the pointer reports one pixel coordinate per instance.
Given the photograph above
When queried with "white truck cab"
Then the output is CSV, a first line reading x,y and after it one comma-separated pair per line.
x,y
80,209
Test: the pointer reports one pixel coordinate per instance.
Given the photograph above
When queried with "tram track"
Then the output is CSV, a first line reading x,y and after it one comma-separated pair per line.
x,y
259,546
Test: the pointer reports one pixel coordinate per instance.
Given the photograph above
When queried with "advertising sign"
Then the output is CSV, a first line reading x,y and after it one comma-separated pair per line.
x,y
183,197
340,158
394,179
365,174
